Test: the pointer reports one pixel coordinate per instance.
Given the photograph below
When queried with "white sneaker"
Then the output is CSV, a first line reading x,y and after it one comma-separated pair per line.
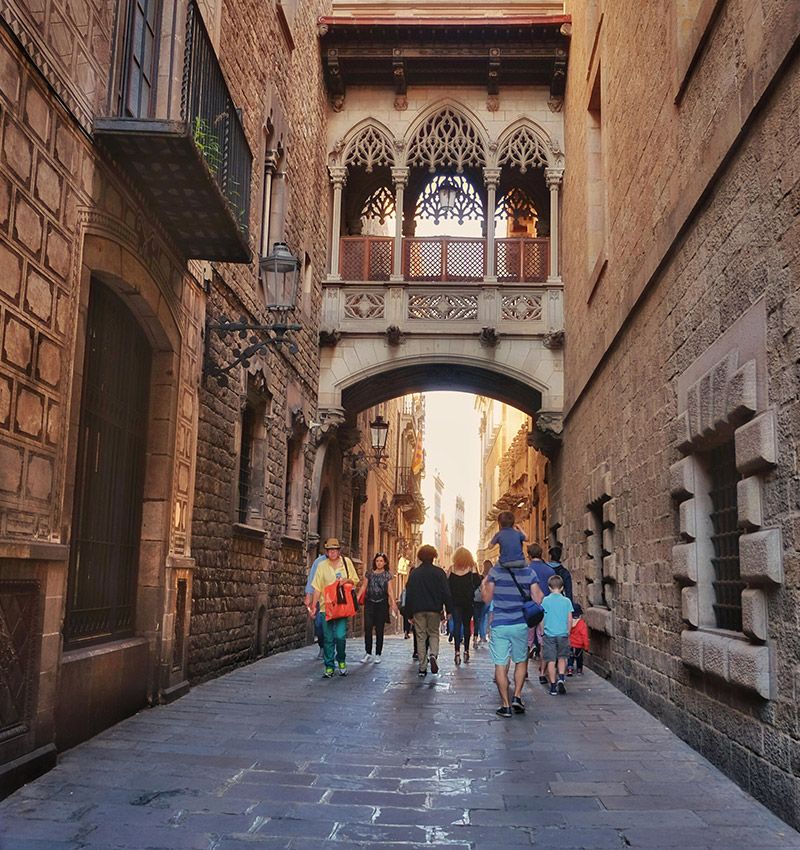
x,y
366,659
377,659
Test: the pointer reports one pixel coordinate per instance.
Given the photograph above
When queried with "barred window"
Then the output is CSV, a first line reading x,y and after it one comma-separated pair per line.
x,y
245,461
727,582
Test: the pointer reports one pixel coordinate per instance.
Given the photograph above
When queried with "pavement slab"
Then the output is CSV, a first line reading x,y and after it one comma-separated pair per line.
x,y
273,756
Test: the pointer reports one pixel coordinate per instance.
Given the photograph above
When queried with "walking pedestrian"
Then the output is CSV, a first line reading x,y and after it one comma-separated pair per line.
x,y
560,570
578,641
378,601
479,606
427,592
505,587
557,626
333,569
543,572
463,581
315,613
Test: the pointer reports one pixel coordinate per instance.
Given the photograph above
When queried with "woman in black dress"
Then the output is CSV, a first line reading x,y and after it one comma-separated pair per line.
x,y
463,580
378,599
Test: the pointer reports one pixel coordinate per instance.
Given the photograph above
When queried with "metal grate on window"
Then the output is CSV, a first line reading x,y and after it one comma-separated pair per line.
x,y
728,585
245,461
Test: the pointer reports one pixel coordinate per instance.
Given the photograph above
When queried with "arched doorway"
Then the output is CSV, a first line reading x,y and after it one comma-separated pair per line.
x,y
104,557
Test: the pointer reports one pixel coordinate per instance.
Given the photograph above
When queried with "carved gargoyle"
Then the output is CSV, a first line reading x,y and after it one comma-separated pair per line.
x,y
329,337
394,336
489,337
553,340
546,433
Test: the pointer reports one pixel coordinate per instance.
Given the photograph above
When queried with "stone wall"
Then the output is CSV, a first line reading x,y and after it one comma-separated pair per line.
x,y
244,574
700,244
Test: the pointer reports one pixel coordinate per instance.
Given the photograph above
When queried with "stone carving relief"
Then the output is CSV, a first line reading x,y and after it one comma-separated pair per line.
x,y
523,149
439,307
445,139
369,148
363,305
522,308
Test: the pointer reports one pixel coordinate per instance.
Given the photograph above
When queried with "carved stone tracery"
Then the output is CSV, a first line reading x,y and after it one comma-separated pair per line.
x,y
523,149
447,139
468,205
369,148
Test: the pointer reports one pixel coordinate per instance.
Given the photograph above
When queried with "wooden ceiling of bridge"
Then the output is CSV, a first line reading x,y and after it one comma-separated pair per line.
x,y
398,53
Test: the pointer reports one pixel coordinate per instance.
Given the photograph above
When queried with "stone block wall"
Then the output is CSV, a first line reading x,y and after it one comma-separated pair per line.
x,y
247,576
702,231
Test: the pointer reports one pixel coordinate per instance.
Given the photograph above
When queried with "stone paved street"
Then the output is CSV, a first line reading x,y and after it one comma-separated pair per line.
x,y
273,756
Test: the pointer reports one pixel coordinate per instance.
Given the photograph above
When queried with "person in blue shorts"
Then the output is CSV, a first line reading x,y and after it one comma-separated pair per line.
x,y
507,588
557,626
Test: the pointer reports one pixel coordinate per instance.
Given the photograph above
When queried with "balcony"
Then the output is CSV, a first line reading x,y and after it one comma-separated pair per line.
x,y
185,146
442,259
407,496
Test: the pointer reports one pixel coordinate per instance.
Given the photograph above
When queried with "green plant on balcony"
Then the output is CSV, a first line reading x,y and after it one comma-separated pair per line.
x,y
207,143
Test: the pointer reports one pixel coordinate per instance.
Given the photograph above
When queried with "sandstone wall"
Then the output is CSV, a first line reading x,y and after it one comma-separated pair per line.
x,y
700,240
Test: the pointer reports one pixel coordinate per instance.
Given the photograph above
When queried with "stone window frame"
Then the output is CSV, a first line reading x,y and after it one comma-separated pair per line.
x,y
255,396
601,572
722,401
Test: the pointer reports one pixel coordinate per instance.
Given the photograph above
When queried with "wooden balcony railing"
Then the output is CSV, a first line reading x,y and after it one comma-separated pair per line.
x,y
367,257
444,259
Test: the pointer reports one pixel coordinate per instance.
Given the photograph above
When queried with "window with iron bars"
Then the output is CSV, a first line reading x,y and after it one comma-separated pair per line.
x,y
727,582
245,461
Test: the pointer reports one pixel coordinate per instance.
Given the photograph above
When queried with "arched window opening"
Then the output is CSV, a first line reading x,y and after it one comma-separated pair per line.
x,y
104,556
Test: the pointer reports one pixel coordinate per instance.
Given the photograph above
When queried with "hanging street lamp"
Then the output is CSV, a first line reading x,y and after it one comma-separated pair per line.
x,y
280,275
448,195
379,431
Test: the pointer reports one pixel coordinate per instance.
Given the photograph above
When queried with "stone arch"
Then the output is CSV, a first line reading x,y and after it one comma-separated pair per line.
x,y
368,144
446,134
396,376
526,145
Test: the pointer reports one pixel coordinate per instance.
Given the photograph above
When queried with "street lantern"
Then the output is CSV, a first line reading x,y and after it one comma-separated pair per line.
x,y
280,275
448,195
379,431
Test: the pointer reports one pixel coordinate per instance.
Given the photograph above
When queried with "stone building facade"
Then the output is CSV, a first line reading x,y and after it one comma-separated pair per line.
x,y
513,476
113,441
675,491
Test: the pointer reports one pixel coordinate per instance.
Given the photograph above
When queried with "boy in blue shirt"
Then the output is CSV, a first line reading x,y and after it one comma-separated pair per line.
x,y
510,541
557,626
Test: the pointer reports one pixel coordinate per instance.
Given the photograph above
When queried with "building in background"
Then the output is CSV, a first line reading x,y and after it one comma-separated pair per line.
x,y
458,523
513,475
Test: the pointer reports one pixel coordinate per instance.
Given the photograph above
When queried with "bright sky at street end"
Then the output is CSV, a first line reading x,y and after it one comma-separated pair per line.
x,y
452,450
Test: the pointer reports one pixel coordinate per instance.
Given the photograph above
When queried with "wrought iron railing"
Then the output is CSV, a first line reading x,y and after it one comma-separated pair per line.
x,y
443,259
214,121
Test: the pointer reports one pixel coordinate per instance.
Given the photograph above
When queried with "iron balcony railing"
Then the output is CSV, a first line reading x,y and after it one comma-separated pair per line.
x,y
183,143
444,259
213,119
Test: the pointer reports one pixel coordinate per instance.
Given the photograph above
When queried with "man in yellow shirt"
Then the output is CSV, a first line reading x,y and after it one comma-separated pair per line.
x,y
333,568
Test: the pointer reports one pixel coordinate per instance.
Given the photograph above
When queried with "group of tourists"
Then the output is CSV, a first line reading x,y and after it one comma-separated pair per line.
x,y
524,606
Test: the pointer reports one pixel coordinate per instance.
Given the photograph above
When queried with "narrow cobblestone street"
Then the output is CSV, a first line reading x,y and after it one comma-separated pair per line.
x,y
273,756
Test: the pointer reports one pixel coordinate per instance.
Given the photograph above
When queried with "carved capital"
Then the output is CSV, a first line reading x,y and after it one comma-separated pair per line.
x,y
400,176
491,176
338,174
553,177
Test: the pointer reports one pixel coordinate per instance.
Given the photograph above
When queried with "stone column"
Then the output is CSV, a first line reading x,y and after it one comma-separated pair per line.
x,y
400,179
491,177
338,175
270,164
553,178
